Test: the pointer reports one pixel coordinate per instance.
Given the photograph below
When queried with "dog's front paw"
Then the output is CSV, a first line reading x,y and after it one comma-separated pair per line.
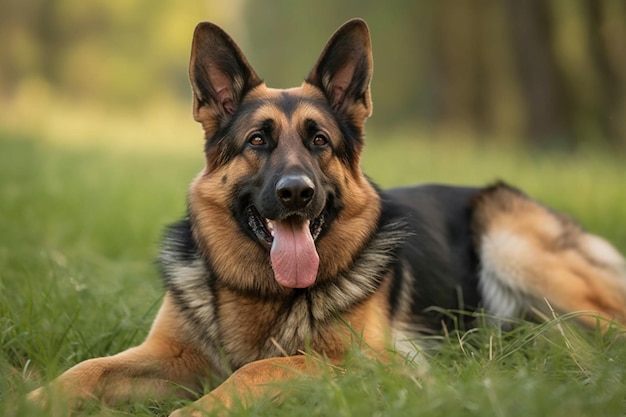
x,y
50,402
206,406
178,413
190,412
38,397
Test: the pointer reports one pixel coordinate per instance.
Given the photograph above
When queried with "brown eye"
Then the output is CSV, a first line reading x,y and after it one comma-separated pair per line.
x,y
256,140
320,140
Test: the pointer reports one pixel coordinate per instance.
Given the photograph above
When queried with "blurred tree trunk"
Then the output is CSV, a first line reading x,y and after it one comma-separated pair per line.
x,y
614,35
543,71
607,91
546,99
606,22
48,26
457,67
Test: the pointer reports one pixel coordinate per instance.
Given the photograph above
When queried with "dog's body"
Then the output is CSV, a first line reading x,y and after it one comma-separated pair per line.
x,y
288,247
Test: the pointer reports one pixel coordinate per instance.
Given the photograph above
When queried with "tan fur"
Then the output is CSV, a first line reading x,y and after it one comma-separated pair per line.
x,y
537,254
366,326
167,362
163,366
173,358
209,200
225,312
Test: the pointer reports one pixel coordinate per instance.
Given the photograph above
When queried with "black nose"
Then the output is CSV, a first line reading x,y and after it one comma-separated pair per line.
x,y
295,191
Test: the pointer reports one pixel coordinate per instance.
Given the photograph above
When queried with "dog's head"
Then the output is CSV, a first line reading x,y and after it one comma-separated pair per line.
x,y
282,180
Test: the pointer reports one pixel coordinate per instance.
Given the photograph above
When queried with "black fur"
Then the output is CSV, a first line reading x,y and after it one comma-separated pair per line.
x,y
194,287
439,252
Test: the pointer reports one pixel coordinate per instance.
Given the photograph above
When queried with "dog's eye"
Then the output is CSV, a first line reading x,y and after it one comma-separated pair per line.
x,y
256,140
320,140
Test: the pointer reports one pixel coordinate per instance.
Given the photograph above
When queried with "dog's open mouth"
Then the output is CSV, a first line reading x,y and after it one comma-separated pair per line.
x,y
291,242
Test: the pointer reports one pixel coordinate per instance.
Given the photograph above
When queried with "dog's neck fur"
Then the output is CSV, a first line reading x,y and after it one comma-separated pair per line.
x,y
198,293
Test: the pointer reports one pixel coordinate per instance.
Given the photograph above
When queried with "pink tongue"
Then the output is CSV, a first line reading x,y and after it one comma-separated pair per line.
x,y
293,254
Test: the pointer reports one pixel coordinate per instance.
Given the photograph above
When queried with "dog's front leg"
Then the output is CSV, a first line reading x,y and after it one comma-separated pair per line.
x,y
164,365
133,375
250,383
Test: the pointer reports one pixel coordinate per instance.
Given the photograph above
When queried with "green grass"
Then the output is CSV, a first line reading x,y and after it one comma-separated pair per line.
x,y
79,230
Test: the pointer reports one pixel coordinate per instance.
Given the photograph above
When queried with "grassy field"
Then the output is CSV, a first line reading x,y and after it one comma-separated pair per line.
x,y
79,230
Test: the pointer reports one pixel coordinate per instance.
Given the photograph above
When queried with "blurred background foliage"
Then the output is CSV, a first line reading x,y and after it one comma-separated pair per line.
x,y
543,72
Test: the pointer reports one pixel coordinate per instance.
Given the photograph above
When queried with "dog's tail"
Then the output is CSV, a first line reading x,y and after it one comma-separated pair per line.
x,y
533,258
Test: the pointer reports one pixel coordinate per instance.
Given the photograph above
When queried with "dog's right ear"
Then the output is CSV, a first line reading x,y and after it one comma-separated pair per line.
x,y
220,76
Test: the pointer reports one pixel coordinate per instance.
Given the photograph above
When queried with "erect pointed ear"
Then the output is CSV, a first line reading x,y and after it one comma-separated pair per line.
x,y
220,76
344,71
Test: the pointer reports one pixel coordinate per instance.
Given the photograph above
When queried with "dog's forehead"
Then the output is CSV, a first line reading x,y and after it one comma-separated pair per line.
x,y
301,103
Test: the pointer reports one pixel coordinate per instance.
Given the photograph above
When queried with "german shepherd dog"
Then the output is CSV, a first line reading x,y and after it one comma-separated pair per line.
x,y
287,247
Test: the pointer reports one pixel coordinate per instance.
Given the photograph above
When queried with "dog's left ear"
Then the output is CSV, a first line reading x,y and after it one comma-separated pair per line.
x,y
220,76
344,71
